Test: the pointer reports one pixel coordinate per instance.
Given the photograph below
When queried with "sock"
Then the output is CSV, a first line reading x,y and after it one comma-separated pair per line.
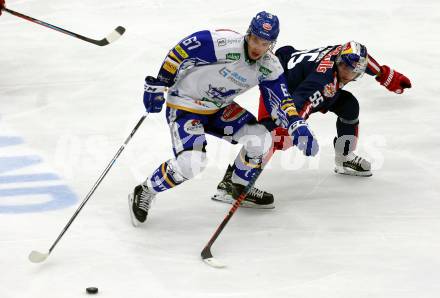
x,y
245,168
163,178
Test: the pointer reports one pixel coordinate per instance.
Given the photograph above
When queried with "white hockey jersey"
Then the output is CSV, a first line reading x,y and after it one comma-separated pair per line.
x,y
208,69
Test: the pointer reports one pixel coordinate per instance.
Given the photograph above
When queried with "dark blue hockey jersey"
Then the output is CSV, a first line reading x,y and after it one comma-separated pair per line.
x,y
312,78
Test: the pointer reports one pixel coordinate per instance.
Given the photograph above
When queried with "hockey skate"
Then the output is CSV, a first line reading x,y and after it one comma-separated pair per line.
x,y
227,192
352,164
139,202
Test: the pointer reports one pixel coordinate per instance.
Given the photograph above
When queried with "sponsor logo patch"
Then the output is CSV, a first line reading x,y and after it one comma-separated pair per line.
x,y
221,42
265,71
233,56
193,127
181,52
234,77
170,67
329,90
232,113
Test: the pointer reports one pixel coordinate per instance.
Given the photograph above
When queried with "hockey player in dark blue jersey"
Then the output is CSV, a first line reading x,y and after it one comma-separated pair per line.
x,y
204,72
315,80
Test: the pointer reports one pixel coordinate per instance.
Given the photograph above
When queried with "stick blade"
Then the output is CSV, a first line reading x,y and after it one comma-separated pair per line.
x,y
37,257
209,259
115,34
213,262
112,37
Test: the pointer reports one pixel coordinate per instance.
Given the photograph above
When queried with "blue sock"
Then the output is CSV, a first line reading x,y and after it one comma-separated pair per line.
x,y
163,178
245,168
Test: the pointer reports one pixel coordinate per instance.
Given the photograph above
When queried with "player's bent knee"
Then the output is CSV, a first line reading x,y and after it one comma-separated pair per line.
x,y
190,163
256,139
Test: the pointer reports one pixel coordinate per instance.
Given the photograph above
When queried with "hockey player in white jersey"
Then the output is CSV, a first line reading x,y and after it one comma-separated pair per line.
x,y
204,72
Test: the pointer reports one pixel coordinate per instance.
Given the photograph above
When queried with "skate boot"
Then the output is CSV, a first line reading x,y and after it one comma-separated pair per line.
x,y
139,202
227,192
352,164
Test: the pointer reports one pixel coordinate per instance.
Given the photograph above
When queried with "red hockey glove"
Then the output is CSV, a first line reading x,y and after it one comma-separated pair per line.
x,y
2,5
392,80
281,139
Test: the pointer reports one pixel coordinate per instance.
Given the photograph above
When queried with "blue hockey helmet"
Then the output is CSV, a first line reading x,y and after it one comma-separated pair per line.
x,y
355,56
265,25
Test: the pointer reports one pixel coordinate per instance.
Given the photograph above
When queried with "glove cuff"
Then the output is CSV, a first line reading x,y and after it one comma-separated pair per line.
x,y
386,75
154,85
386,81
295,125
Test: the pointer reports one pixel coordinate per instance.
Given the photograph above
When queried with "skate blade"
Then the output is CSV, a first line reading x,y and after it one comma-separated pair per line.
x,y
223,197
134,221
349,172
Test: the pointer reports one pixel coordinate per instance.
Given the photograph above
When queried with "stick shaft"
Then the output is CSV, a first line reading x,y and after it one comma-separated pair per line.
x,y
95,186
59,29
206,252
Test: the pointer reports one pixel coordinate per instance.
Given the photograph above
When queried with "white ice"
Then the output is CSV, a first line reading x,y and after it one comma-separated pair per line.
x,y
73,104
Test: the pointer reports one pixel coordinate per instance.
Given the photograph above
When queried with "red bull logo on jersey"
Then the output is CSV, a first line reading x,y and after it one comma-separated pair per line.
x,y
326,62
329,90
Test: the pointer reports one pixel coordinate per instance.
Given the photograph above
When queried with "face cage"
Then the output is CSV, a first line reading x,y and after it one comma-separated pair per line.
x,y
359,72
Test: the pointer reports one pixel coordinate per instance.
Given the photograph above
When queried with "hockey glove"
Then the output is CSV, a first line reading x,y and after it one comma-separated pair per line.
x,y
153,95
392,80
281,139
2,5
303,137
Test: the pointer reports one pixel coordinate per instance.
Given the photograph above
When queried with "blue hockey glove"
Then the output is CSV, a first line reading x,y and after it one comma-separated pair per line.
x,y
303,137
153,95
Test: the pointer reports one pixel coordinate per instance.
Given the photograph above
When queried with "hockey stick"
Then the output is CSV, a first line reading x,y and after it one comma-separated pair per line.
x,y
38,257
113,36
206,254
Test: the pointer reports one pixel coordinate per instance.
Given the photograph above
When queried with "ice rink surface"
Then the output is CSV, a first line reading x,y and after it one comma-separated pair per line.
x,y
66,106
